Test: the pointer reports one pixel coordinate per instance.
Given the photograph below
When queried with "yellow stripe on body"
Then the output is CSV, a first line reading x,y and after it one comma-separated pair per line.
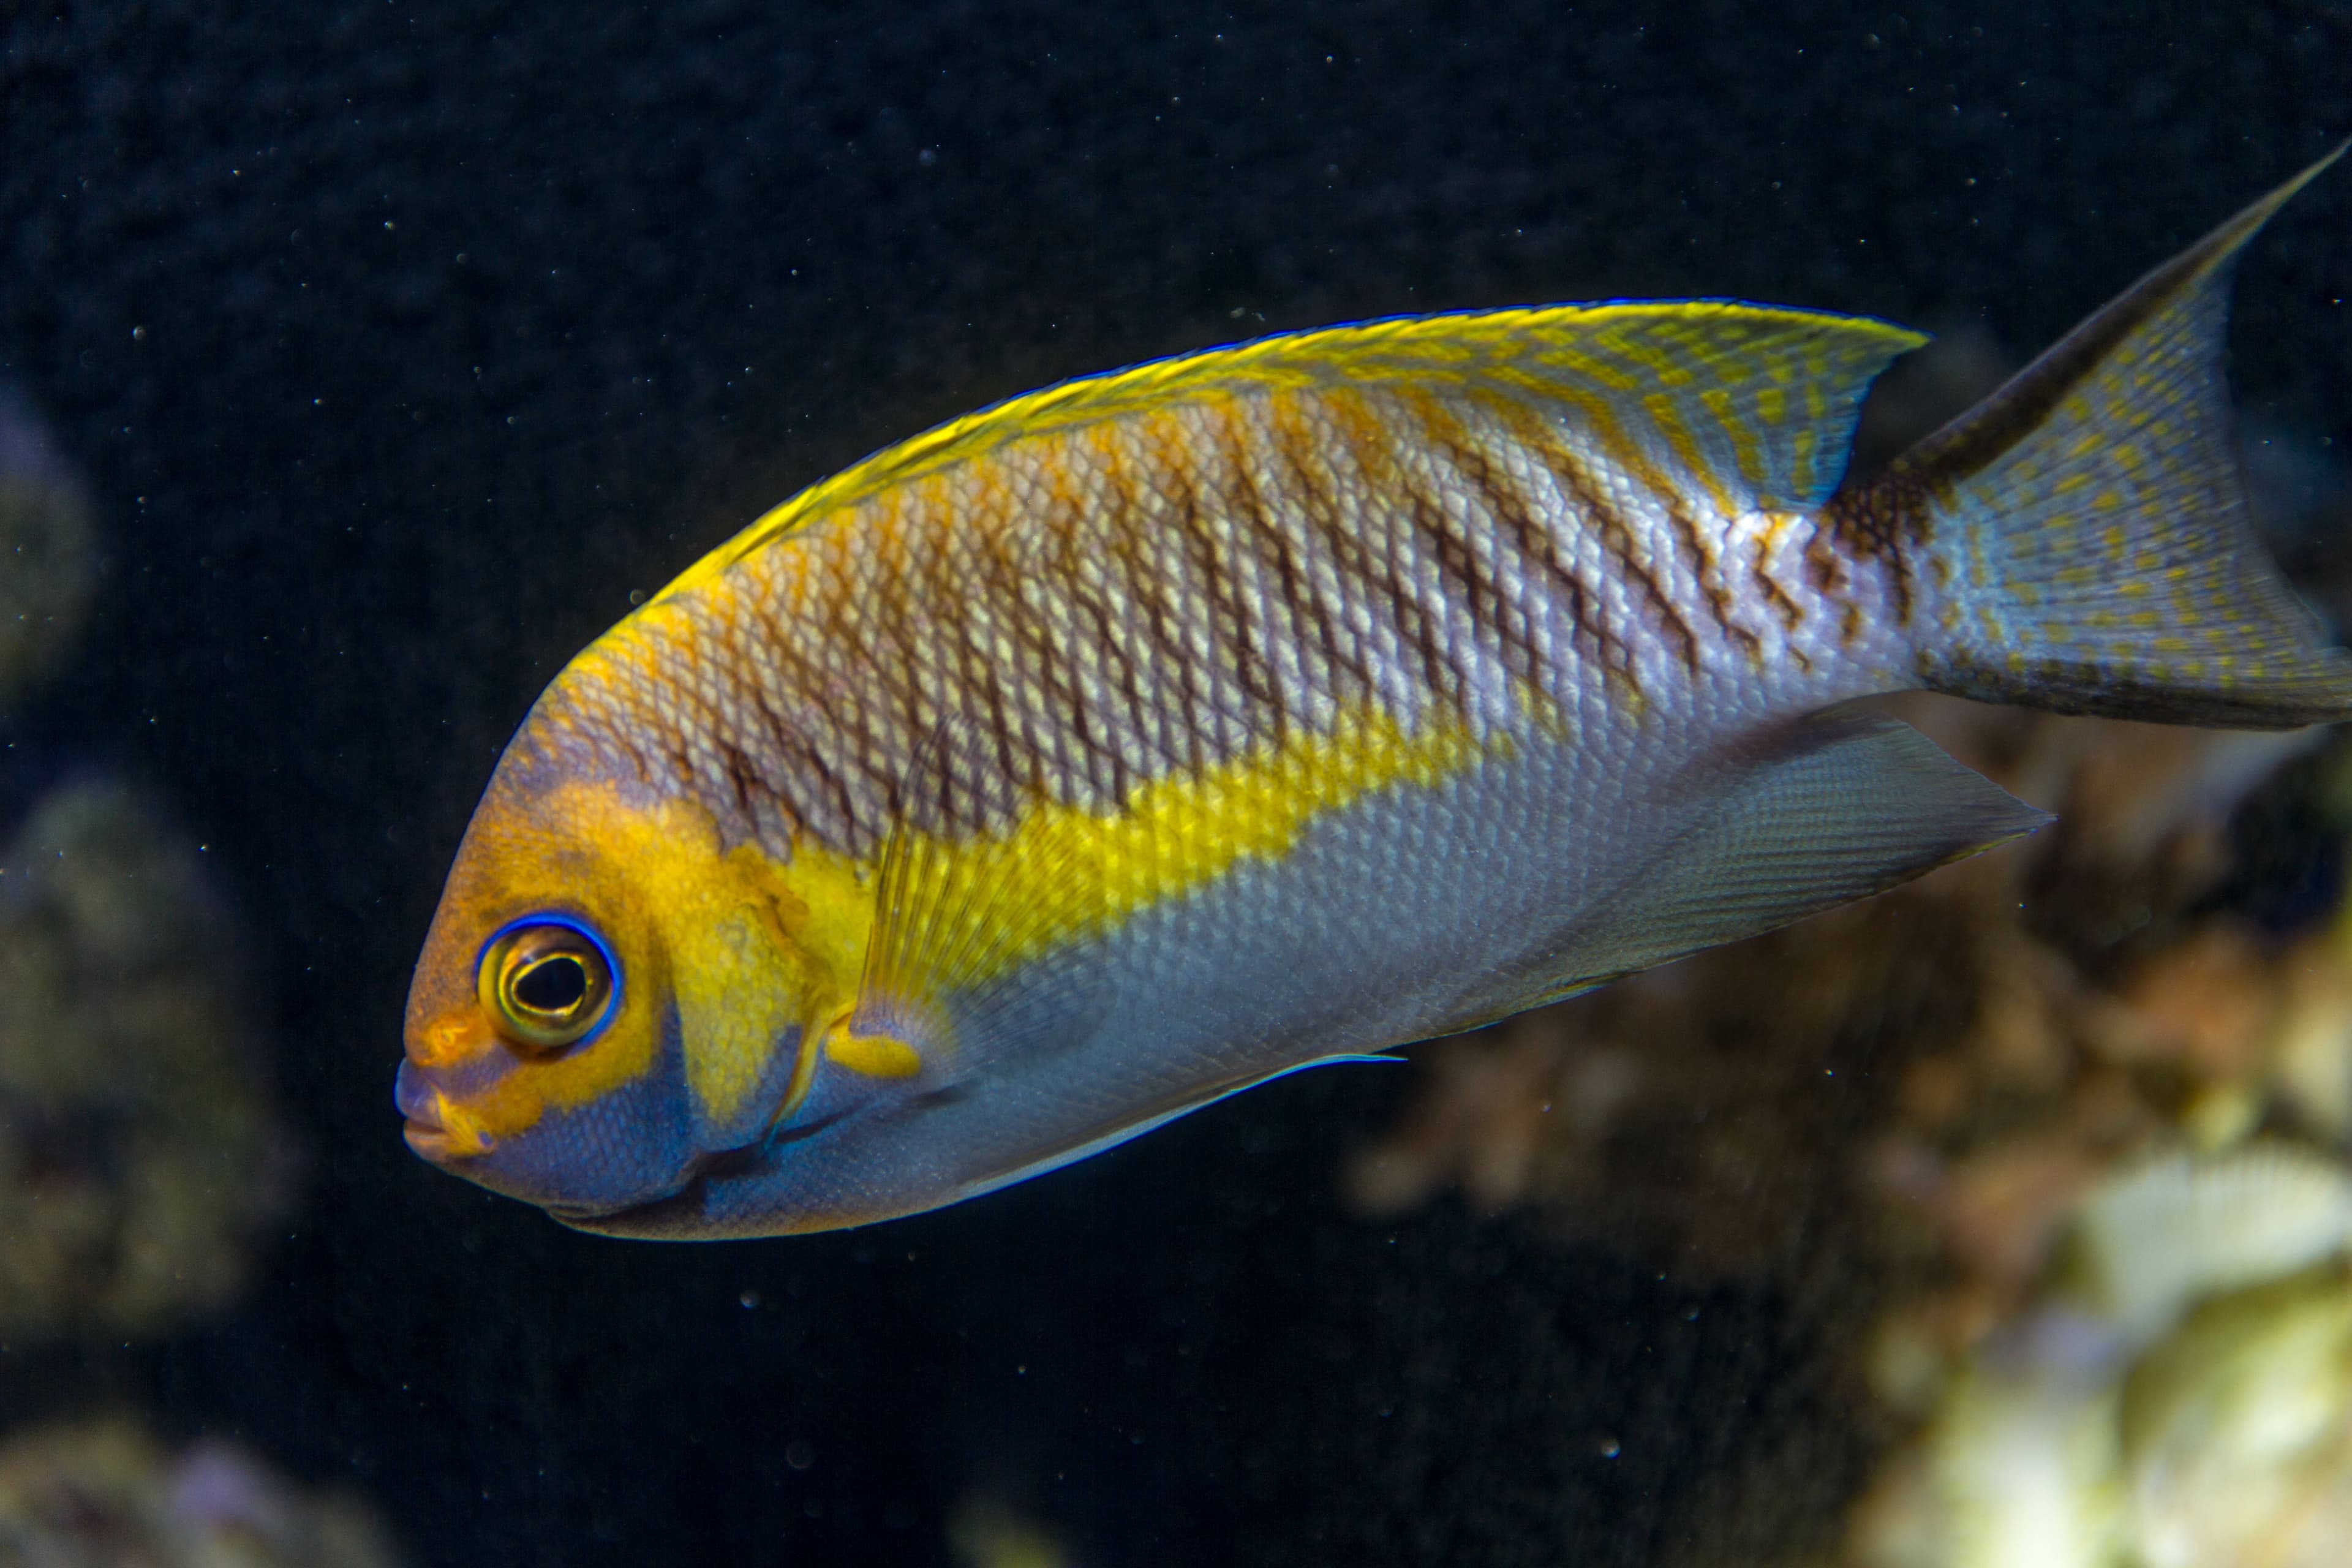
x,y
1062,874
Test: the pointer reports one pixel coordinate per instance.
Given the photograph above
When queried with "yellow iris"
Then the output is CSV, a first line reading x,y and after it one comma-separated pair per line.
x,y
545,984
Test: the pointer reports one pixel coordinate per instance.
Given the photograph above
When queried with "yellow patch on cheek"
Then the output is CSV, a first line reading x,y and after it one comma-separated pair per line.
x,y
745,948
689,928
737,994
448,1042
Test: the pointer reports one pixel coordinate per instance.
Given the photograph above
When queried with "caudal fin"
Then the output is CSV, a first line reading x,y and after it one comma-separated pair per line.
x,y
2079,540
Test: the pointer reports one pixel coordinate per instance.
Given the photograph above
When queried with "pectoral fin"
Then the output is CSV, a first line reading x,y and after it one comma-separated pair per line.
x,y
944,990
1836,808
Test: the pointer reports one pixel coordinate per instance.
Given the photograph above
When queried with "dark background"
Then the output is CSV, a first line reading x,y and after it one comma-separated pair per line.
x,y
456,325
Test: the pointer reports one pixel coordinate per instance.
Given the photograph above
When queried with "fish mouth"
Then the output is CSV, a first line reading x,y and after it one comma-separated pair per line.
x,y
425,1133
428,1141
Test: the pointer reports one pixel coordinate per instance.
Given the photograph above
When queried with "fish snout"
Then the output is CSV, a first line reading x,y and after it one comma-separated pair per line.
x,y
419,1104
450,1060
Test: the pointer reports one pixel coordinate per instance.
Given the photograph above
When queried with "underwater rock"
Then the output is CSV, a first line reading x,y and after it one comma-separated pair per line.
x,y
2237,1430
2203,1420
106,1494
137,1152
2021,1471
48,554
2153,1241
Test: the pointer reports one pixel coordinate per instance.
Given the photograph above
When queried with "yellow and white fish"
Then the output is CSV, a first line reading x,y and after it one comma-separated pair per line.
x,y
1134,742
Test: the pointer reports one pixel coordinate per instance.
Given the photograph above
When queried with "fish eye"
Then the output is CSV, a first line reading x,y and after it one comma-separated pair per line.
x,y
547,982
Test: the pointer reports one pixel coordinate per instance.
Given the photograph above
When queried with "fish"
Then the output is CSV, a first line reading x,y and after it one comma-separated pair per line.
x,y
1118,747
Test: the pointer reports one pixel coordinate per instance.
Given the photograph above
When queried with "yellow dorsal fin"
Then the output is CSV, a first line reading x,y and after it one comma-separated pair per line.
x,y
1759,400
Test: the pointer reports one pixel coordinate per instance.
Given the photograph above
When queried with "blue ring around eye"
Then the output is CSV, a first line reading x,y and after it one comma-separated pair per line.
x,y
569,922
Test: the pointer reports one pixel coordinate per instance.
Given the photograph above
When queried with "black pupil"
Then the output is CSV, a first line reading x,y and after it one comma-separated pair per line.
x,y
552,985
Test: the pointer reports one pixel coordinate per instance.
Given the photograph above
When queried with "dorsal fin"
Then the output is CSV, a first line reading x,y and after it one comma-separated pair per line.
x,y
1756,402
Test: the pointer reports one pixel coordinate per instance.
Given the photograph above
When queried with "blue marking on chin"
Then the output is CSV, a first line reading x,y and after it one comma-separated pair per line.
x,y
632,1146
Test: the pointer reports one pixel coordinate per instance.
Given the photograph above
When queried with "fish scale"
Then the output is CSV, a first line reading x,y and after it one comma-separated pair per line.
x,y
1438,557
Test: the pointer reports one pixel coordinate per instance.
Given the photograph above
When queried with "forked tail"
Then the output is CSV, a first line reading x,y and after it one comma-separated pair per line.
x,y
2079,540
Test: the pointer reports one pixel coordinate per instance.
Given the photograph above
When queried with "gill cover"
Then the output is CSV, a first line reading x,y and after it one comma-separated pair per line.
x,y
607,997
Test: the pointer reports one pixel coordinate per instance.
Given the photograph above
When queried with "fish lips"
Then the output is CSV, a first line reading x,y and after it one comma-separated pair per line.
x,y
418,1097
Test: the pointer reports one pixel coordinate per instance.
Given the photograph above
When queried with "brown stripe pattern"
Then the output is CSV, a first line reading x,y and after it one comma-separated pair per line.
x,y
1071,614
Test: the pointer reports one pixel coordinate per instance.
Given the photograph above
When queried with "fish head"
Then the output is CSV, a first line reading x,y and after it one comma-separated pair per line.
x,y
608,997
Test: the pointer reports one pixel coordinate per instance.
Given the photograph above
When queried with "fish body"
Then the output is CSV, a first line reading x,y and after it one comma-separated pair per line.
x,y
1109,751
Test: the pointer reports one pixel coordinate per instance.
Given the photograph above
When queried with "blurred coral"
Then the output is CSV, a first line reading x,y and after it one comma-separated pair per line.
x,y
2237,1430
106,1494
47,557
137,1154
986,1533
2182,1397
